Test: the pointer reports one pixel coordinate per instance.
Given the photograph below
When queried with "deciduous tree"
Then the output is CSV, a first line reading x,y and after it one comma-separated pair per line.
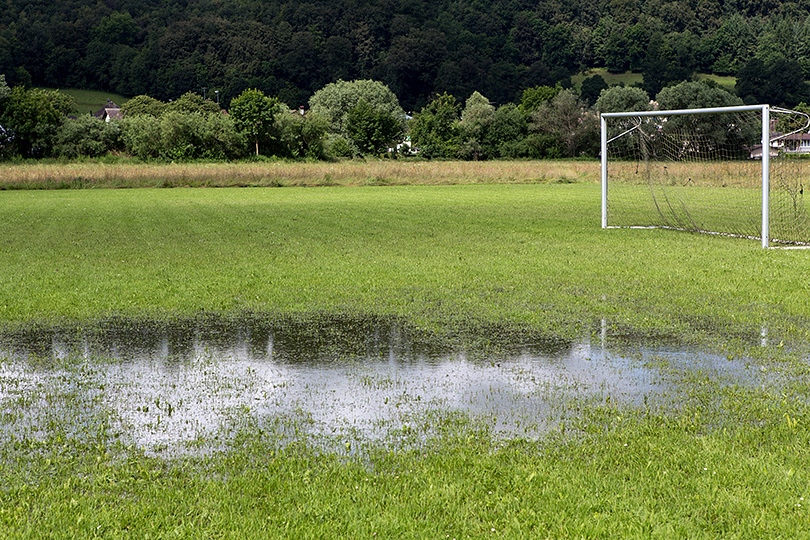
x,y
591,88
695,95
776,80
192,102
434,129
31,119
336,100
533,97
508,130
372,131
568,119
300,135
702,94
620,98
476,119
143,105
253,113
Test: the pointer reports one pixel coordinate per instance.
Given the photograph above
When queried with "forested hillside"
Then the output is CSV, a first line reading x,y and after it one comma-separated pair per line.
x,y
290,49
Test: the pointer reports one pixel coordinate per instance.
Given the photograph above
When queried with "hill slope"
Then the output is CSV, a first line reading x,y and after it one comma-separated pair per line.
x,y
291,49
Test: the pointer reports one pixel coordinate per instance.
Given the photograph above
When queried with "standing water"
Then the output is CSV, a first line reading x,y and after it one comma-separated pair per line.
x,y
188,387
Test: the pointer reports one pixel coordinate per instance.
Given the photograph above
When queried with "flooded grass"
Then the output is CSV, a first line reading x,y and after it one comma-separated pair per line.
x,y
187,387
183,387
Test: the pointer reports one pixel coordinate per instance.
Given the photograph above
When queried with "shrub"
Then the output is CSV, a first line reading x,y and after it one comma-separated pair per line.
x,y
88,136
183,136
300,136
338,146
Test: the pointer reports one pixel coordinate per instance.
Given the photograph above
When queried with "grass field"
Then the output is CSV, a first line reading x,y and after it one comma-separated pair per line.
x,y
529,254
727,82
722,197
521,252
90,101
630,78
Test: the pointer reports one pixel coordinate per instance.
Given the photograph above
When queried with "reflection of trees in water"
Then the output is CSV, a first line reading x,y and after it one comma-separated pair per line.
x,y
161,385
293,340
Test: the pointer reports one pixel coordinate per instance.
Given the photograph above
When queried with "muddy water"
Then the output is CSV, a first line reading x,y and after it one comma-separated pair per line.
x,y
175,388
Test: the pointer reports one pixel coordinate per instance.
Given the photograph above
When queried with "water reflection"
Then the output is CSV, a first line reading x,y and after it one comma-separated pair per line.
x,y
167,386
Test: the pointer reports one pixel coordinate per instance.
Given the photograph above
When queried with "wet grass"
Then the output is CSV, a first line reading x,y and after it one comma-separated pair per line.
x,y
727,460
629,475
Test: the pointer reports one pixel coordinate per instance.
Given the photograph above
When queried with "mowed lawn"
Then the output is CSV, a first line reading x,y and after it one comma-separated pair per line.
x,y
727,461
520,254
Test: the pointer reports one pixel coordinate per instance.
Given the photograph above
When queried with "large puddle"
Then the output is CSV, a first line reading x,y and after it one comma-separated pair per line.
x,y
190,387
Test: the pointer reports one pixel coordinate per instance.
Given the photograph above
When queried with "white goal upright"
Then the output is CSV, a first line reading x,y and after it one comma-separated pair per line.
x,y
733,171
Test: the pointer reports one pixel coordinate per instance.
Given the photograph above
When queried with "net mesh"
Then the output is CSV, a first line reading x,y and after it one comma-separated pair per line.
x,y
703,172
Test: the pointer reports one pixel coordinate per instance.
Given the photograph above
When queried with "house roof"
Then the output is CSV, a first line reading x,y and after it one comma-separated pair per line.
x,y
103,112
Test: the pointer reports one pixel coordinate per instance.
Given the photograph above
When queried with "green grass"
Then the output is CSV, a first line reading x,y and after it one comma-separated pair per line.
x,y
617,474
726,461
727,82
90,101
657,479
522,254
629,78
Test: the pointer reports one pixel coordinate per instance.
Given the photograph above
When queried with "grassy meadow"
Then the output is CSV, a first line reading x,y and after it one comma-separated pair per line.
x,y
454,249
630,78
90,101
126,174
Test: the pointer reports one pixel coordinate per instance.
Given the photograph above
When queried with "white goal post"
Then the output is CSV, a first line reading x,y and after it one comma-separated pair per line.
x,y
723,170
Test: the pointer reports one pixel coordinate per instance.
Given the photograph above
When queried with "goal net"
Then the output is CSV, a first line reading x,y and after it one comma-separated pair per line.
x,y
728,170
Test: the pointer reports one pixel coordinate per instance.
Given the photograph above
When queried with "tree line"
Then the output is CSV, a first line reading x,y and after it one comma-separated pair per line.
x,y
417,48
344,119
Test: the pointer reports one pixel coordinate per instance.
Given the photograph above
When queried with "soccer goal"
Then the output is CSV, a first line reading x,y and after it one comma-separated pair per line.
x,y
734,171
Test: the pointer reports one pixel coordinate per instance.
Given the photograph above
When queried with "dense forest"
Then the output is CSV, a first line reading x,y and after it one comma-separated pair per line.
x,y
417,48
